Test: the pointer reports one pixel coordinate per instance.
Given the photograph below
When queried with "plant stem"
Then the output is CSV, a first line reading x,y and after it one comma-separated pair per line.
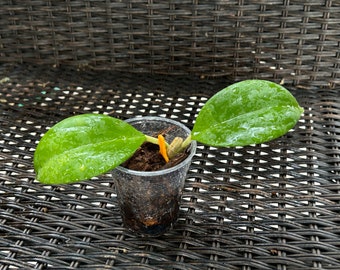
x,y
186,142
153,140
181,148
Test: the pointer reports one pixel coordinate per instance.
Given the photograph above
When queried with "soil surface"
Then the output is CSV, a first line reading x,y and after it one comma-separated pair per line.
x,y
148,158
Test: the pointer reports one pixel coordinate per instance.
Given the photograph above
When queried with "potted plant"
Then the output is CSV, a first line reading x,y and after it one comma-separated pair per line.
x,y
84,146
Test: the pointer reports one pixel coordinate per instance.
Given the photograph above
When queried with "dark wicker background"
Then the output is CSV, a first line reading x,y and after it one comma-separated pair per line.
x,y
269,206
294,40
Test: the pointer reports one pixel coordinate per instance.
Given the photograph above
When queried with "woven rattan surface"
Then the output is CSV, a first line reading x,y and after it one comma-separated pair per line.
x,y
280,39
269,206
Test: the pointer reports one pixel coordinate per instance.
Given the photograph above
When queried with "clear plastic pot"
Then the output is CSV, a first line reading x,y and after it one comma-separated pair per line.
x,y
149,201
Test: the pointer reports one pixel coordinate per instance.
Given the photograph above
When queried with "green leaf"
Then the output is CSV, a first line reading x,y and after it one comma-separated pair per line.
x,y
84,146
248,112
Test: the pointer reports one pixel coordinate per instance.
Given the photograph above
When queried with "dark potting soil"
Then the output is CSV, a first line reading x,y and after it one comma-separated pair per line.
x,y
148,158
157,215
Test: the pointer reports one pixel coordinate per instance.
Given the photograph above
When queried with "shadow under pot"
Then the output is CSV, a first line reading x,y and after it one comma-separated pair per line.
x,y
149,201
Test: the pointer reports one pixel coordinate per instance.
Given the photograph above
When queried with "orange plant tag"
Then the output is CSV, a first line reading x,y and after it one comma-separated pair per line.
x,y
162,147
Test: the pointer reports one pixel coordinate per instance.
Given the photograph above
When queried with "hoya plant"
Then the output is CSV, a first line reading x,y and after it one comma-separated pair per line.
x,y
83,146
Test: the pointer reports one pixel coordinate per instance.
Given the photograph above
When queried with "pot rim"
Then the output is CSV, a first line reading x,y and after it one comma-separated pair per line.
x,y
192,149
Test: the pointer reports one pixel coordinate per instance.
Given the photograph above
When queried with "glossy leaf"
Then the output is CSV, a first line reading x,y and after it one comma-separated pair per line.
x,y
248,112
84,146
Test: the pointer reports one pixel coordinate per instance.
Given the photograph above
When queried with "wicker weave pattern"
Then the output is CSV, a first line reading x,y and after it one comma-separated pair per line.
x,y
296,41
263,207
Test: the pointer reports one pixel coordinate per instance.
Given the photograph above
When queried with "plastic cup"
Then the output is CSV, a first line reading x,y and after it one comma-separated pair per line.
x,y
149,201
